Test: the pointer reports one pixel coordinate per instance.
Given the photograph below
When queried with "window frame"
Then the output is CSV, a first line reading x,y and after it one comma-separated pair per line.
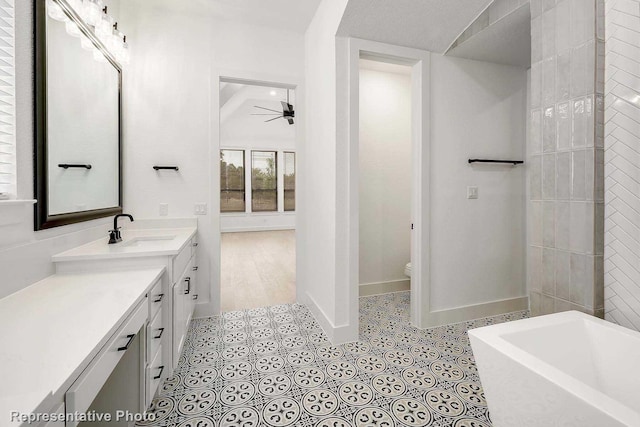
x,y
276,189
244,183
284,175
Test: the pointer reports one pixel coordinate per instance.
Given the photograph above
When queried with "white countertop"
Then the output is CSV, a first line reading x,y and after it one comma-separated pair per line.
x,y
177,238
50,331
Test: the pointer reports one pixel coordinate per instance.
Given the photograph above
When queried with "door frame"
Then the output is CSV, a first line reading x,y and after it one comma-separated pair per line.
x,y
420,148
260,79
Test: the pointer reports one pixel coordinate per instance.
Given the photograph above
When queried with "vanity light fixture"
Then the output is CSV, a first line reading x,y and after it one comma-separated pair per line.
x,y
86,19
116,41
104,27
125,55
72,29
92,11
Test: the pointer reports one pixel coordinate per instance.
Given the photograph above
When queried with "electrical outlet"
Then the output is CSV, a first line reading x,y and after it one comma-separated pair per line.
x,y
472,192
164,209
200,209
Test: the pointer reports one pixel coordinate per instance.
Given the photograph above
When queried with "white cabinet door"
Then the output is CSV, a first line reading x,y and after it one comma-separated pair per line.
x,y
191,295
178,320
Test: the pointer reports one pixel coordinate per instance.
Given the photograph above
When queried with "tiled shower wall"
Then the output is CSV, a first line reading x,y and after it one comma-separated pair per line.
x,y
565,167
622,168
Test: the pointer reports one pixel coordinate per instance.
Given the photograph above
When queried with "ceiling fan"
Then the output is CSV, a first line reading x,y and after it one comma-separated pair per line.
x,y
287,113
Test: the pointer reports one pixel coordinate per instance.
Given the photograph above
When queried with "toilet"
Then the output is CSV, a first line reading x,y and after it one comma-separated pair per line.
x,y
407,270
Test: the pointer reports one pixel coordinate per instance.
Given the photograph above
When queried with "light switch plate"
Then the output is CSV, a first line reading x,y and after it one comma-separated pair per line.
x,y
164,209
472,192
200,209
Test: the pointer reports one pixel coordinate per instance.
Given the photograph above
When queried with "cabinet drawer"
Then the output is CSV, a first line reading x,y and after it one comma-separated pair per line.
x,y
155,335
88,385
154,375
156,297
180,262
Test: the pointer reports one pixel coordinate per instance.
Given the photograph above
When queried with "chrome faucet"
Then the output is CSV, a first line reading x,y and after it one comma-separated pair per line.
x,y
114,235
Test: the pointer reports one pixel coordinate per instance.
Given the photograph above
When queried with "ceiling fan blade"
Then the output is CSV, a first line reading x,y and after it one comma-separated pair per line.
x,y
268,109
286,106
290,120
265,114
275,118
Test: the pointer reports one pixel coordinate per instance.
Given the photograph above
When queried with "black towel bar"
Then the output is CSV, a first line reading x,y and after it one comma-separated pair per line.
x,y
71,165
513,162
173,168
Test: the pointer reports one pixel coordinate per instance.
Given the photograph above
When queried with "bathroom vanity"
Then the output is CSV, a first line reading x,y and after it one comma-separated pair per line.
x,y
106,329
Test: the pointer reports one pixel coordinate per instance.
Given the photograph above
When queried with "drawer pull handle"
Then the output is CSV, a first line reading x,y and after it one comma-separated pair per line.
x,y
157,377
126,346
160,296
195,268
194,244
195,296
160,334
188,290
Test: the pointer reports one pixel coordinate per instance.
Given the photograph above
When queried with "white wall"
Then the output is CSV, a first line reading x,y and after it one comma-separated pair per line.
x,y
385,173
477,246
316,210
25,255
168,94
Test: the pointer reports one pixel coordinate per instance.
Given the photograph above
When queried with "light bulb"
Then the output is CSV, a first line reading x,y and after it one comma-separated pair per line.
x,y
92,11
125,54
115,42
104,27
55,11
72,29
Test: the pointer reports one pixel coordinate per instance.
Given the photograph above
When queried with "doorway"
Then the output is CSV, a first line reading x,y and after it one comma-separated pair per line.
x,y
385,177
257,194
419,63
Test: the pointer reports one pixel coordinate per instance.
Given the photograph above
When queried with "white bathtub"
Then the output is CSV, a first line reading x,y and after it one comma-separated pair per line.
x,y
565,369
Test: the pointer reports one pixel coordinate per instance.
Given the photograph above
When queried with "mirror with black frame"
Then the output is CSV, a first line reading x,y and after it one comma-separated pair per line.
x,y
78,167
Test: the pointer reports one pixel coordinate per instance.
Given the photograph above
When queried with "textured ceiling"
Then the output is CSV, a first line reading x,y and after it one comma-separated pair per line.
x,y
292,15
507,41
424,24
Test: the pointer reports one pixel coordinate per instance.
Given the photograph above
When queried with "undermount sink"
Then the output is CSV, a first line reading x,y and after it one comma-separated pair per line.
x,y
148,240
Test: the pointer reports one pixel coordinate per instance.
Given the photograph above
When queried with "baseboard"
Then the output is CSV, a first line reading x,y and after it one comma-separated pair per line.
x,y
203,310
257,228
476,311
377,288
336,334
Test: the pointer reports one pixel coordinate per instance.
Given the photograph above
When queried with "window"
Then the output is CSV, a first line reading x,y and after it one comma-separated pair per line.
x,y
232,191
7,106
289,181
264,186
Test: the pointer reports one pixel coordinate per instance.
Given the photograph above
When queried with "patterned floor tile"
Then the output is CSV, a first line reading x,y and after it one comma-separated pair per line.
x,y
274,367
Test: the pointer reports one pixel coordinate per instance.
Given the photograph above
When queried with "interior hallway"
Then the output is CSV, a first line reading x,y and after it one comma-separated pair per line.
x,y
258,269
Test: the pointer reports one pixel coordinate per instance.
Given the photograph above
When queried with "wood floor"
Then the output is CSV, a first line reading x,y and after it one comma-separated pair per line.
x,y
258,269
